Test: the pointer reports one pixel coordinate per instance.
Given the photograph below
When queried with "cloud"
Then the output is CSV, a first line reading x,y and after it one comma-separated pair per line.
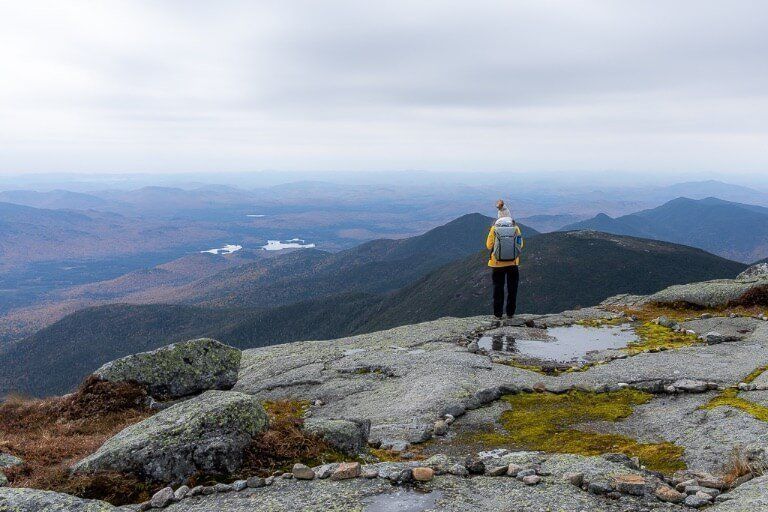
x,y
442,85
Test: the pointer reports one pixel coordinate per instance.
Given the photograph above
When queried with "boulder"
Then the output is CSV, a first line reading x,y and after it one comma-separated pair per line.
x,y
757,270
178,370
205,434
709,294
347,436
33,500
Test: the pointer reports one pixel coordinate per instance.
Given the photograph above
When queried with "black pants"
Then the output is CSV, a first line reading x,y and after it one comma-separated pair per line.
x,y
511,275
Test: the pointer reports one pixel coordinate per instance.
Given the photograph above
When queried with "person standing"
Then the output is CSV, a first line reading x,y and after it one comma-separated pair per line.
x,y
505,241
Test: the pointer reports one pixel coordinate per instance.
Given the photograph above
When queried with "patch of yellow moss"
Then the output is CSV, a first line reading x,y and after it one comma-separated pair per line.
x,y
730,398
602,322
542,421
653,337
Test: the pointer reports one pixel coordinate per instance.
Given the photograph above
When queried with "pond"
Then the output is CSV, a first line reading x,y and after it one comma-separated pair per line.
x,y
562,344
404,499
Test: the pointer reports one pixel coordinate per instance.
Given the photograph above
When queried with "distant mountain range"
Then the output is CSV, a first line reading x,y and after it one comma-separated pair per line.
x,y
733,230
560,271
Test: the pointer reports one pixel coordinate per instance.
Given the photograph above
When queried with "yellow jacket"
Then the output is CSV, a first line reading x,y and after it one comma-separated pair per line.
x,y
489,245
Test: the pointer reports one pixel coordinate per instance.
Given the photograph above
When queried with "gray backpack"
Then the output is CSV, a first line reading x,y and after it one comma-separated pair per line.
x,y
508,244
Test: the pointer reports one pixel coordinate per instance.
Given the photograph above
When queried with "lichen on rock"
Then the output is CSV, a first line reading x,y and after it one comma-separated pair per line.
x,y
33,500
179,369
546,421
207,434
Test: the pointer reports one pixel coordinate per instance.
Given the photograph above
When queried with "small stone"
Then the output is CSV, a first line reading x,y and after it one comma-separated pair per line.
x,y
574,478
162,498
525,472
488,395
630,484
599,488
705,315
346,470
144,506
539,387
318,403
496,471
685,483
269,480
696,501
669,495
531,479
286,476
255,482
712,482
302,472
473,347
369,471
9,461
475,466
207,490
423,474
326,470
449,419
458,470
195,491
709,491
181,493
222,488
440,428
514,469
239,485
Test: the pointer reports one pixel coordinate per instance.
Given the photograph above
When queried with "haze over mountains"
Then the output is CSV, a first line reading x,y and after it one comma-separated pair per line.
x,y
89,276
732,230
379,284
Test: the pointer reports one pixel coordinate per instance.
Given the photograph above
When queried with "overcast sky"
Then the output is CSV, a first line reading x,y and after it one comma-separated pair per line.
x,y
633,86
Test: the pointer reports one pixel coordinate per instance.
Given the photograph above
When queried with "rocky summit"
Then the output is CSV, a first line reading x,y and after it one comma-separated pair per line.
x,y
640,403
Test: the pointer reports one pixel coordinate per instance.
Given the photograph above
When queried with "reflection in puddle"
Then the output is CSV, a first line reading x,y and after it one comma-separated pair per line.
x,y
563,344
404,499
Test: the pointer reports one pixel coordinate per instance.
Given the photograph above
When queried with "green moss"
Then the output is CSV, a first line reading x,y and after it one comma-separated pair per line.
x,y
656,337
602,322
542,421
730,398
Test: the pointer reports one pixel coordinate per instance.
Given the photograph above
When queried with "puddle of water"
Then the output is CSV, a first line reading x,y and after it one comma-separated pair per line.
x,y
404,499
564,344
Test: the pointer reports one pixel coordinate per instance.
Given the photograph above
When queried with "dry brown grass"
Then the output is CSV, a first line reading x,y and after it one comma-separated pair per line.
x,y
737,466
755,298
285,443
51,434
